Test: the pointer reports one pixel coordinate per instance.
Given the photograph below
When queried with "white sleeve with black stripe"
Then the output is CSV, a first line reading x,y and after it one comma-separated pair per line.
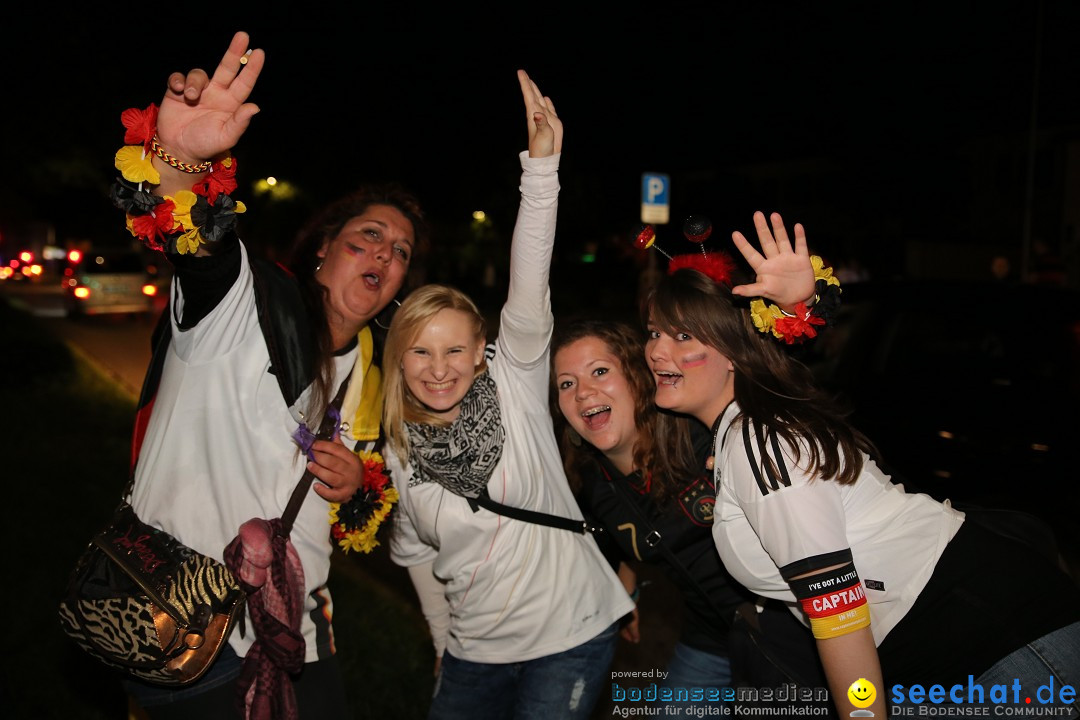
x,y
798,522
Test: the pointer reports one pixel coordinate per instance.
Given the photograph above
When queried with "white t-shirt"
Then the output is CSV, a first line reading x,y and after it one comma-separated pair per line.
x,y
763,525
516,590
218,449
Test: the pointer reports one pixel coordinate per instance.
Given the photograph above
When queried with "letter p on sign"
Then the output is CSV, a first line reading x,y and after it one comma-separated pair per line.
x,y
655,198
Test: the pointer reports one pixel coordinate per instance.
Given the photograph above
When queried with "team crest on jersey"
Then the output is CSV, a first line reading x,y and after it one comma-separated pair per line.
x,y
698,500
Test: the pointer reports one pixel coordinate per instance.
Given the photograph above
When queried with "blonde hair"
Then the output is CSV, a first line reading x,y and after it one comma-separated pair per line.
x,y
400,405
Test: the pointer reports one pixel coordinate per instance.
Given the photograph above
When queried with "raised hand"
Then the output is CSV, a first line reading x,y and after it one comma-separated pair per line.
x,y
201,117
784,274
545,128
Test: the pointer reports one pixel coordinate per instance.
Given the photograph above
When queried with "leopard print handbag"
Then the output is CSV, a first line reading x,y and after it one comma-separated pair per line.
x,y
144,603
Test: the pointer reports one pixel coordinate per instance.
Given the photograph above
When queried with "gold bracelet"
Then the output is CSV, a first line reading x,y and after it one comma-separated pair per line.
x,y
173,162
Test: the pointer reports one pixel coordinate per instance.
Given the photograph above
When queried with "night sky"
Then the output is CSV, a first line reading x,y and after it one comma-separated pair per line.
x,y
866,123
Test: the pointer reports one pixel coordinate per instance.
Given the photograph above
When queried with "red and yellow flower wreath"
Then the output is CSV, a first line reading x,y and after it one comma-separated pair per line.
x,y
354,524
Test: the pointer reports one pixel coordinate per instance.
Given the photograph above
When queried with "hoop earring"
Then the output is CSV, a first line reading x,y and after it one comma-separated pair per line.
x,y
376,318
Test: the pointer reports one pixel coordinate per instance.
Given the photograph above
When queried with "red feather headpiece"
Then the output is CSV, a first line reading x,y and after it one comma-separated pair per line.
x,y
716,265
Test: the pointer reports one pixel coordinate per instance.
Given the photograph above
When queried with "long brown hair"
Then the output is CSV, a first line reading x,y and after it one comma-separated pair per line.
x,y
776,393
663,450
304,260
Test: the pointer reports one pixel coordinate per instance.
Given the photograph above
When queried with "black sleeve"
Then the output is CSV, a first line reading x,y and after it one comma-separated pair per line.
x,y
701,438
205,280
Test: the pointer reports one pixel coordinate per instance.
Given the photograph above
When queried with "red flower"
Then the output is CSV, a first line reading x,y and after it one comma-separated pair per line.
x,y
153,225
220,179
141,125
800,327
375,477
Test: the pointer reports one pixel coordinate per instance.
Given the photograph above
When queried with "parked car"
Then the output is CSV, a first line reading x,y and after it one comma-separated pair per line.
x,y
108,281
969,390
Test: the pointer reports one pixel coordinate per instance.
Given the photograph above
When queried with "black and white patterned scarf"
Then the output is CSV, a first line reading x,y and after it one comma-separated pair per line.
x,y
462,456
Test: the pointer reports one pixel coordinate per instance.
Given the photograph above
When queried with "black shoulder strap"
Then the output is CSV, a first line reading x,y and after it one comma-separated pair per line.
x,y
623,493
531,516
300,492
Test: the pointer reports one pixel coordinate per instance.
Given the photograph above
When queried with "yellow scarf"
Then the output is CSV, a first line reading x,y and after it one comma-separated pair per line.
x,y
364,399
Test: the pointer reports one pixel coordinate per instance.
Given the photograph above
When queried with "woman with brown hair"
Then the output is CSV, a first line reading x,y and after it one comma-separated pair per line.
x,y
640,473
896,587
248,355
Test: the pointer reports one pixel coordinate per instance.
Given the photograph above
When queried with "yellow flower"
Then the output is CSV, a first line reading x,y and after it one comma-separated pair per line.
x,y
240,208
364,539
188,243
135,166
366,455
183,201
764,316
821,272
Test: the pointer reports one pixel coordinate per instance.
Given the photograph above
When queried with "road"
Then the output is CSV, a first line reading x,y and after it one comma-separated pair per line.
x,y
118,346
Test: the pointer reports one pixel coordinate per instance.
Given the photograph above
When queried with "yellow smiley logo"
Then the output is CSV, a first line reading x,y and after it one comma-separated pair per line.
x,y
862,693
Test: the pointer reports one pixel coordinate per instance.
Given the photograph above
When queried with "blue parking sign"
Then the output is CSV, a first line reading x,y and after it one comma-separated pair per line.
x,y
655,193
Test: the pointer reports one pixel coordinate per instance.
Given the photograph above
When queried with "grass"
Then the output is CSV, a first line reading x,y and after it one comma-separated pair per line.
x,y
67,437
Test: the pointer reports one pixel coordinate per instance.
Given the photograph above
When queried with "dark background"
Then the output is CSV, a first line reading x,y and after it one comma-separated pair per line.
x,y
900,134
922,139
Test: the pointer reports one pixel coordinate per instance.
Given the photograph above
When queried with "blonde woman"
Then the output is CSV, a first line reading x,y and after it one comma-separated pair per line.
x,y
523,615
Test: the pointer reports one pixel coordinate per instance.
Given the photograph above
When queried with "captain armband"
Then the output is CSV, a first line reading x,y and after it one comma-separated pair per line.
x,y
834,601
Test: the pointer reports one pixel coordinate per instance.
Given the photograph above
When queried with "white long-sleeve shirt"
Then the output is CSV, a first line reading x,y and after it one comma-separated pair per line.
x,y
515,591
219,451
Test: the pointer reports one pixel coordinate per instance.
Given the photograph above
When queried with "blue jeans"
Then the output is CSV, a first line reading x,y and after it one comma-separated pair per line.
x,y
223,672
690,668
1052,659
320,692
564,685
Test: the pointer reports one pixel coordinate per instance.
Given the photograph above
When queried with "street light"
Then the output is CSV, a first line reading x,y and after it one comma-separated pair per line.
x,y
276,189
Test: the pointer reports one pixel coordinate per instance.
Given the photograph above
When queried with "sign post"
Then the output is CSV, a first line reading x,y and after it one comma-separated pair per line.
x,y
655,198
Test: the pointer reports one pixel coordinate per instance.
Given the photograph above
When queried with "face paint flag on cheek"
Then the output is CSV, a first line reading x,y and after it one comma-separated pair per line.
x,y
693,361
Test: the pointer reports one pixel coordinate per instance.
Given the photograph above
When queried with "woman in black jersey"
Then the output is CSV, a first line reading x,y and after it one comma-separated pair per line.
x,y
656,507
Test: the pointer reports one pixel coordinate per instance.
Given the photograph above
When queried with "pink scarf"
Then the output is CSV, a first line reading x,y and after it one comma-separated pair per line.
x,y
265,562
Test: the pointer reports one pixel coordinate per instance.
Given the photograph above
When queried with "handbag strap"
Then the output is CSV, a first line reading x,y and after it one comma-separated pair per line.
x,y
531,516
300,492
622,492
